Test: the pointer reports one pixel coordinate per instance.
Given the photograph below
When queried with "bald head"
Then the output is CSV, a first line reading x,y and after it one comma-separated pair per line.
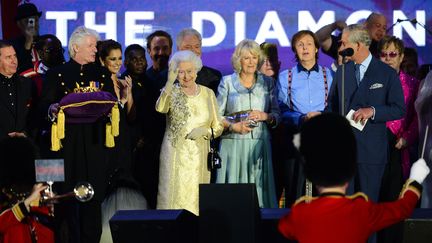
x,y
376,24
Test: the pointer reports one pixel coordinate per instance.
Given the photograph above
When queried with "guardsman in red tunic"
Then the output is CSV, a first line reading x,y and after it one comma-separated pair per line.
x,y
329,149
20,223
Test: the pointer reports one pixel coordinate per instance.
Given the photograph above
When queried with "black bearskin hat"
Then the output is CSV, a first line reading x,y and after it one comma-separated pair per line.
x,y
328,146
17,161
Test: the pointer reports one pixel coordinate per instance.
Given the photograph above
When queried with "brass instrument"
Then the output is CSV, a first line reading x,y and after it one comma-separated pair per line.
x,y
82,192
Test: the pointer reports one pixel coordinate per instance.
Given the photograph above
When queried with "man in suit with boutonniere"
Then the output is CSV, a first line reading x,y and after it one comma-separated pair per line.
x,y
373,92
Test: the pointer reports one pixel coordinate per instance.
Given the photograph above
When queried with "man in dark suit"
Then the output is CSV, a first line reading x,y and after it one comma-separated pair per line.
x,y
15,95
190,39
373,91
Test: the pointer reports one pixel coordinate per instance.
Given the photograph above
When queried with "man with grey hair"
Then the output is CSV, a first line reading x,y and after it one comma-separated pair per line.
x,y
375,24
190,39
84,153
373,91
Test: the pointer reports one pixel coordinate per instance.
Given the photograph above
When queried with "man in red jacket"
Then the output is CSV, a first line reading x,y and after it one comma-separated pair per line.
x,y
19,224
329,149
22,219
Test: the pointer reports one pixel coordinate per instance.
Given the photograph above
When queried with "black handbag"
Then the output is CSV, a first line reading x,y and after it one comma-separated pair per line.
x,y
213,159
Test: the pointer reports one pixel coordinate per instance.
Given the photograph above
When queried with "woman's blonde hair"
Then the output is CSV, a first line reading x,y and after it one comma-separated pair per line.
x,y
246,45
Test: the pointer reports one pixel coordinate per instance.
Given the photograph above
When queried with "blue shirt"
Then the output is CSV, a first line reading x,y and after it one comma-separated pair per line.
x,y
364,65
307,92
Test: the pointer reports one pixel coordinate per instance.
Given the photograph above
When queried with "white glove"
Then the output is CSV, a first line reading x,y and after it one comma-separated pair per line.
x,y
172,76
419,171
197,133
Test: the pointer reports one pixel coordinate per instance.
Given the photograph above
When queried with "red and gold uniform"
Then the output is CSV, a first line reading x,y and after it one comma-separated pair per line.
x,y
334,217
17,225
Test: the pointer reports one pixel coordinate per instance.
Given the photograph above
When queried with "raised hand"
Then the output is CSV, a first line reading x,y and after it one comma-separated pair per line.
x,y
124,90
419,171
172,76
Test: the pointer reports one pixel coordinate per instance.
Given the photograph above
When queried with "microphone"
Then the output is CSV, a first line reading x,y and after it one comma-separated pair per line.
x,y
347,52
412,21
415,22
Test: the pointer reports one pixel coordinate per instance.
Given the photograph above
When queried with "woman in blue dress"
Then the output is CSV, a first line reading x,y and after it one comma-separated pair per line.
x,y
247,101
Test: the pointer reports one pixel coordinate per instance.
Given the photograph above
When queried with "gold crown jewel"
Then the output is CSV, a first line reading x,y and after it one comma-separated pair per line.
x,y
94,87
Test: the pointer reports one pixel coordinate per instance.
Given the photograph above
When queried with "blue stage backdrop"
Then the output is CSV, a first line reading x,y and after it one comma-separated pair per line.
x,y
225,23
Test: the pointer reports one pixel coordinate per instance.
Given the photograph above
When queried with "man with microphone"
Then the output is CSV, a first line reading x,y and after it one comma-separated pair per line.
x,y
370,93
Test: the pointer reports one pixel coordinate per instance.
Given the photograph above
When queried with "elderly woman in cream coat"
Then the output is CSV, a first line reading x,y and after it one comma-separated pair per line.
x,y
247,101
192,114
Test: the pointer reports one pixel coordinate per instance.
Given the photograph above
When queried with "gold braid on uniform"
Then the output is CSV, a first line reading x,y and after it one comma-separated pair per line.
x,y
411,185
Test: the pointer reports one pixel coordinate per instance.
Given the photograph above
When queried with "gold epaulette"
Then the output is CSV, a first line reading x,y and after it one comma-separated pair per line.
x,y
358,195
304,199
409,185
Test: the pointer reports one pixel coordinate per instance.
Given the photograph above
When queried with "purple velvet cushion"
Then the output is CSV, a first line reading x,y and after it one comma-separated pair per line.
x,y
87,113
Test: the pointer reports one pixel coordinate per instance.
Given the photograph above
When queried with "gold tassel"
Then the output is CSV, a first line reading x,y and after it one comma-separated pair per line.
x,y
109,138
61,124
55,141
115,120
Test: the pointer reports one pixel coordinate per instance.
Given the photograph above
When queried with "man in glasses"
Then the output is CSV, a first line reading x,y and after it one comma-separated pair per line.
x,y
375,24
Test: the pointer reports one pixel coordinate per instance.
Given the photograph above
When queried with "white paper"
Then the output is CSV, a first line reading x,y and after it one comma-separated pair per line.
x,y
358,124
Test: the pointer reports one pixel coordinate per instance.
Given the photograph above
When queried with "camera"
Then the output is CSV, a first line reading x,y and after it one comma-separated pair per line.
x,y
31,22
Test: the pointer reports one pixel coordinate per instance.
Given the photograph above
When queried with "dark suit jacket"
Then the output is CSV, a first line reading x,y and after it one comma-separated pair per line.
x,y
379,88
9,120
209,77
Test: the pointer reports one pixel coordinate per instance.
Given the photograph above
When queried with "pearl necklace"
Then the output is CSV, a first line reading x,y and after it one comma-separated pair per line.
x,y
196,90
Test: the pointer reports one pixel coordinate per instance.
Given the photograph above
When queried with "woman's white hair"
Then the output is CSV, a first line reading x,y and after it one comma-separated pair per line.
x,y
249,46
185,56
77,37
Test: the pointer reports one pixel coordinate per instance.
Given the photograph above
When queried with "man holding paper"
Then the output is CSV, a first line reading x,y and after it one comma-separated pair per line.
x,y
373,92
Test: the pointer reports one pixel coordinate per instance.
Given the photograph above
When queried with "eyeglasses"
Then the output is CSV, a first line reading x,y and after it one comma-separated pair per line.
x,y
391,54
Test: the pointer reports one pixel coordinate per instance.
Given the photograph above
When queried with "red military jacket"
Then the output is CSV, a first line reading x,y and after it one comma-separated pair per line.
x,y
18,226
338,218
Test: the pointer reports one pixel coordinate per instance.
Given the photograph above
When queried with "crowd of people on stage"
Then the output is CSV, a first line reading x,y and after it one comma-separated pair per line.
x,y
168,113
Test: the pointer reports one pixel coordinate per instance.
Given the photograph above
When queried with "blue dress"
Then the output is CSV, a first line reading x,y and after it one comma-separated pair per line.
x,y
247,158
